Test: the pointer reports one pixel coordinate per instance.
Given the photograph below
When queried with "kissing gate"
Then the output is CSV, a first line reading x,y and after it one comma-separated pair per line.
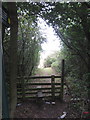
x,y
48,86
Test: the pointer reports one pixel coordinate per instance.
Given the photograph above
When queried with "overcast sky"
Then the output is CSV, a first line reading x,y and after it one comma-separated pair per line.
x,y
53,42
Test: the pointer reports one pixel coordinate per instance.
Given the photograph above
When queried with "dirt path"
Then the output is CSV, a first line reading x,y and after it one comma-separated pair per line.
x,y
33,110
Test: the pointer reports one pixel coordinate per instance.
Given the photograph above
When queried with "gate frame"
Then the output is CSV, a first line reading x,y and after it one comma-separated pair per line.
x,y
62,83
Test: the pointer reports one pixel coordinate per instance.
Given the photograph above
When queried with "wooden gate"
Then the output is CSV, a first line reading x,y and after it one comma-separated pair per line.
x,y
51,89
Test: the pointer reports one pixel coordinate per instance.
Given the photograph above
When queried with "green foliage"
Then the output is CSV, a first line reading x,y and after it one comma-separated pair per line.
x,y
51,59
71,23
48,61
29,43
55,66
29,39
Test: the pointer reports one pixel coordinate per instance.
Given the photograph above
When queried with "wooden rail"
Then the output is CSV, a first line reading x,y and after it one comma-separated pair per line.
x,y
38,77
34,97
49,88
47,92
41,84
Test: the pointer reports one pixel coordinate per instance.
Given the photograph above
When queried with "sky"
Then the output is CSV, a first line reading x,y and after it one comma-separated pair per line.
x,y
52,43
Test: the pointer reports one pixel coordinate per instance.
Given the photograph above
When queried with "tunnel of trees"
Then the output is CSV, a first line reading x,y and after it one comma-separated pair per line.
x,y
22,44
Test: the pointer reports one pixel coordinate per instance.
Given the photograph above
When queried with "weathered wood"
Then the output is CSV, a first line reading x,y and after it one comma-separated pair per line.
x,y
26,84
62,81
23,90
46,92
34,97
33,89
41,84
38,77
53,87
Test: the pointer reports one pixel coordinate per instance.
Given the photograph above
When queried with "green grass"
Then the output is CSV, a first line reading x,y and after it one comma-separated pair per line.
x,y
45,71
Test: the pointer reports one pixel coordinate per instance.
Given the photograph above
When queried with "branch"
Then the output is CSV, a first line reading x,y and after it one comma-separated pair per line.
x,y
73,48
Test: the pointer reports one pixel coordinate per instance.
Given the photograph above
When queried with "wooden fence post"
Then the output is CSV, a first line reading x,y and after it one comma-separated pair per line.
x,y
53,87
23,89
62,80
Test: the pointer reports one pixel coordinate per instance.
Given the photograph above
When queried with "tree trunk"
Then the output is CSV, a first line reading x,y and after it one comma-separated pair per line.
x,y
13,56
88,81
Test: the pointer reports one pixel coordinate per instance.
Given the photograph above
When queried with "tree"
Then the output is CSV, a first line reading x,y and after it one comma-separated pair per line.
x,y
13,56
27,47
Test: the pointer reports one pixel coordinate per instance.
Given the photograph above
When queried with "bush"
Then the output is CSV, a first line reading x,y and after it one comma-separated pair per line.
x,y
55,66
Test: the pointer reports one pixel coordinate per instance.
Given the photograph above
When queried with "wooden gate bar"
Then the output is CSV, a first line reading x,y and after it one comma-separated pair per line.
x,y
38,77
26,84
23,90
62,81
53,87
29,93
48,88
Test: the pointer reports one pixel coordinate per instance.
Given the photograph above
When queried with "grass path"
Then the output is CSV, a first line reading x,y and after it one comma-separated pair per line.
x,y
45,71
